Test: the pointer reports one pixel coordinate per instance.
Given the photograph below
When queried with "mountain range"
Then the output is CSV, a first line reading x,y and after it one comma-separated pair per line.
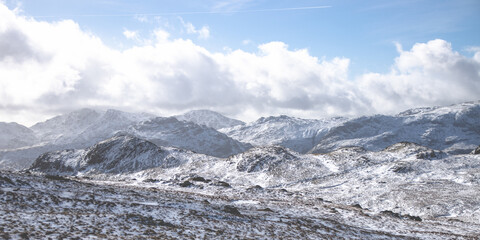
x,y
453,129
410,175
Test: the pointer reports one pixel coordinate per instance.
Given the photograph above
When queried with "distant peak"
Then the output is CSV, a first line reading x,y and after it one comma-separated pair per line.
x,y
274,118
209,118
202,111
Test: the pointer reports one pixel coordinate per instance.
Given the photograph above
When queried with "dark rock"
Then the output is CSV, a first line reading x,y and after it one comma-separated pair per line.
x,y
222,184
255,188
149,180
186,184
56,178
24,235
402,169
476,151
6,180
265,210
399,216
150,221
357,206
432,154
414,218
391,214
232,210
199,179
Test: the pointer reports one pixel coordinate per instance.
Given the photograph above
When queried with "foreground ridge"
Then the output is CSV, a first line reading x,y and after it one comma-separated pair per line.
x,y
80,208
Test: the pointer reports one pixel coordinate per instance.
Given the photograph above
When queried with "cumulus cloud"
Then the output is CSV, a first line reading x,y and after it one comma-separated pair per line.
x,y
429,74
48,68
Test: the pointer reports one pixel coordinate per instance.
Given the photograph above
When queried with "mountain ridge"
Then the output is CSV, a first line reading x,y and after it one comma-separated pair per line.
x,y
209,118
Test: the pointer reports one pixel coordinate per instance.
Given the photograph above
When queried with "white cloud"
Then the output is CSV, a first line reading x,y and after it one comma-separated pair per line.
x,y
49,68
130,34
429,74
203,33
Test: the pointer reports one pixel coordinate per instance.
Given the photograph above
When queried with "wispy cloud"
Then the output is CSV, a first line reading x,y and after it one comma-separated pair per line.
x,y
203,32
230,5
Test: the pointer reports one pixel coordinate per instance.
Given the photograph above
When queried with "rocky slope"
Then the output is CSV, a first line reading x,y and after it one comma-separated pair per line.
x,y
187,135
209,118
119,154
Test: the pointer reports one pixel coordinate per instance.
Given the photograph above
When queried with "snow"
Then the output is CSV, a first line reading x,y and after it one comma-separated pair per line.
x,y
209,118
102,209
300,135
412,175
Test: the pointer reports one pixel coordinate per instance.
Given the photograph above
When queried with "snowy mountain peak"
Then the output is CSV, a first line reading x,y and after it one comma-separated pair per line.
x,y
65,123
298,134
454,129
209,118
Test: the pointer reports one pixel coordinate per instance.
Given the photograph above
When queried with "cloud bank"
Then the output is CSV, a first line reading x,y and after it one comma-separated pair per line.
x,y
49,68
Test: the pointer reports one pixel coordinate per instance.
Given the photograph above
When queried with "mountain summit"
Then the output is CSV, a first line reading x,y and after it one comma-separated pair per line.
x,y
209,118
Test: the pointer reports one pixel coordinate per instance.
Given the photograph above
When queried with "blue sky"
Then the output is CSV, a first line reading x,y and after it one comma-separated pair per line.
x,y
243,58
364,31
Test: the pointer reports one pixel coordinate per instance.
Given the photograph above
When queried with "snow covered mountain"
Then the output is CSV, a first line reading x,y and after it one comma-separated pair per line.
x,y
85,127
413,175
405,179
453,129
14,135
119,154
65,126
300,135
209,118
188,135
78,129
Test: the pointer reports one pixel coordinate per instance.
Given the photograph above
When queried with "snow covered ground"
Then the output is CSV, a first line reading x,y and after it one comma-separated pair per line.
x,y
413,175
56,207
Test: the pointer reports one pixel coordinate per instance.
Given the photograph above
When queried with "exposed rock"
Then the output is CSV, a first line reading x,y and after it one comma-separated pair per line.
x,y
186,184
476,151
232,210
262,158
221,184
199,179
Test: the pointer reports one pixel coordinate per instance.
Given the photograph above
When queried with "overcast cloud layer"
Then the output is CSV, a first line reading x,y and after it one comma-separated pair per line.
x,y
50,68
